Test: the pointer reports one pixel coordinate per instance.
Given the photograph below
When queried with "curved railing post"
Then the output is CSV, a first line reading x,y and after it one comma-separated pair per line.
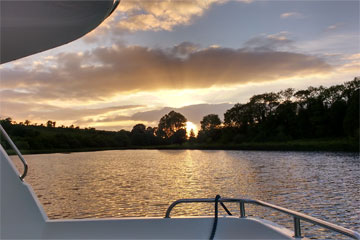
x,y
297,227
242,209
13,146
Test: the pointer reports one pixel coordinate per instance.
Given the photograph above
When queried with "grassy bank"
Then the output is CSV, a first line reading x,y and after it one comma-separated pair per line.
x,y
331,145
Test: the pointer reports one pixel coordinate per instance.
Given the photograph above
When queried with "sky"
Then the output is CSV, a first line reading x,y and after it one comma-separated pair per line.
x,y
195,57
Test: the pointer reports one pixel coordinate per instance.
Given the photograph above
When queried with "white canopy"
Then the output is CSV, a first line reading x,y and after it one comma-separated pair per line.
x,y
29,27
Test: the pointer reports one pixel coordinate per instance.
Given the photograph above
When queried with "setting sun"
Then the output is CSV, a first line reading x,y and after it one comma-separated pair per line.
x,y
189,126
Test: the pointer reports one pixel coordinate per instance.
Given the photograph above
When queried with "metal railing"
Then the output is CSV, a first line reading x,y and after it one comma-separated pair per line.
x,y
296,215
13,146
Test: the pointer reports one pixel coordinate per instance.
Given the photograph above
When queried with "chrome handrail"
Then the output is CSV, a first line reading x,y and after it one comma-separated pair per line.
x,y
297,215
12,144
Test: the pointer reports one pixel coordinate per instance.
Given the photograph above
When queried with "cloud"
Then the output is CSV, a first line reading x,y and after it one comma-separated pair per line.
x,y
107,72
332,43
42,112
184,49
291,15
352,64
355,56
136,15
193,113
155,15
334,26
271,42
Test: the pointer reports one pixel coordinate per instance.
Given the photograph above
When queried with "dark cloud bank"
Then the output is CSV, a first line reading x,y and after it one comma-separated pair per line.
x,y
105,72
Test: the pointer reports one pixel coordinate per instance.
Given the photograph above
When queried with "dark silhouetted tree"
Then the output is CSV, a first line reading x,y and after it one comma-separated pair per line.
x,y
351,120
50,124
170,124
192,137
179,137
210,122
138,135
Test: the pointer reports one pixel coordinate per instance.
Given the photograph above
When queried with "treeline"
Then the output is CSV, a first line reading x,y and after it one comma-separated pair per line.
x,y
33,136
313,113
49,137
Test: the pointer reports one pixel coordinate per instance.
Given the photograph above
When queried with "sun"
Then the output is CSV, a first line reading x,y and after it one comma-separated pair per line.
x,y
189,126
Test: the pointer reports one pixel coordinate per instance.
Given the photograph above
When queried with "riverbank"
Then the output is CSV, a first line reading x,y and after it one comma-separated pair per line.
x,y
331,145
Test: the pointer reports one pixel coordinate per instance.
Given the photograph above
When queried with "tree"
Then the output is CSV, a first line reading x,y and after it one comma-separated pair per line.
x,y
151,137
122,138
179,137
240,115
351,120
151,131
210,122
9,119
49,124
287,94
336,115
350,88
138,136
138,128
192,137
170,123
263,105
333,94
27,122
6,123
285,118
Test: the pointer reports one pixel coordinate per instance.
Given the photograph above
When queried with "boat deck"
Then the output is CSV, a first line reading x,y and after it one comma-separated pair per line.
x,y
165,228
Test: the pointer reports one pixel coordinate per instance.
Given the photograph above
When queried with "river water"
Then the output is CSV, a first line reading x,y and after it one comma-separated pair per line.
x,y
142,183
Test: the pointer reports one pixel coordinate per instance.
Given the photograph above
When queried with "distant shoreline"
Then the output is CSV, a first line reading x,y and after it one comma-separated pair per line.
x,y
332,145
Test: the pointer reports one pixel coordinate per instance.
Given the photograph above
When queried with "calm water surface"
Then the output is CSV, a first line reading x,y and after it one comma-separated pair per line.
x,y
143,183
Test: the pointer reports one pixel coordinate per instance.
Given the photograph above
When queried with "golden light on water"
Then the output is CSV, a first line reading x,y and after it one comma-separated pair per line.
x,y
189,126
